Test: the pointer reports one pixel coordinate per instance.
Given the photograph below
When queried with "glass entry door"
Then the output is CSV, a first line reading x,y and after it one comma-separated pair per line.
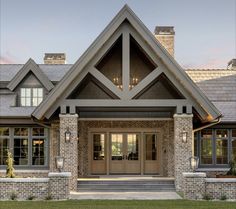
x,y
125,153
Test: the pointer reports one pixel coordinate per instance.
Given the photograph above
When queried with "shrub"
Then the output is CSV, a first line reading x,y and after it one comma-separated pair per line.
x,y
13,195
232,164
207,197
49,197
10,161
31,197
223,197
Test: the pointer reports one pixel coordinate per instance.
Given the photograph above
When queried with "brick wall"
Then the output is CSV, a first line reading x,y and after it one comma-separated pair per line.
x,y
194,185
183,151
56,186
219,187
197,186
168,42
69,150
167,143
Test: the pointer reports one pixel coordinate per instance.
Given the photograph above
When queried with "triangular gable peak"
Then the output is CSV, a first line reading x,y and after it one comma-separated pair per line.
x,y
30,67
128,28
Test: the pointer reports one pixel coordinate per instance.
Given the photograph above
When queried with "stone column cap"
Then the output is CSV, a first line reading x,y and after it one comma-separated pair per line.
x,y
183,115
194,175
68,115
59,174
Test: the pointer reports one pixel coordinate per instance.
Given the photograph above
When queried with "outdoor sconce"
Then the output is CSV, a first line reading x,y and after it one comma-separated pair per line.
x,y
184,136
67,136
194,163
59,163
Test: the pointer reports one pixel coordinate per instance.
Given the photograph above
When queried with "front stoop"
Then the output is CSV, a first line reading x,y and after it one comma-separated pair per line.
x,y
139,188
124,196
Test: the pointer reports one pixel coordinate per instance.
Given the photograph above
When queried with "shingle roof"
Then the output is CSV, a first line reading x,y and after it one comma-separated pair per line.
x,y
53,72
7,109
219,85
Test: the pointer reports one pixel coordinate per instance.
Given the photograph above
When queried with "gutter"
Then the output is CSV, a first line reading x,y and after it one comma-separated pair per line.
x,y
39,123
218,120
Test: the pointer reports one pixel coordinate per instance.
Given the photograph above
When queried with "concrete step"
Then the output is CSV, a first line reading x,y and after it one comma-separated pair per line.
x,y
125,185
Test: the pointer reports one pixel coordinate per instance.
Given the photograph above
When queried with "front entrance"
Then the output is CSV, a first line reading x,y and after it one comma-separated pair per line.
x,y
124,153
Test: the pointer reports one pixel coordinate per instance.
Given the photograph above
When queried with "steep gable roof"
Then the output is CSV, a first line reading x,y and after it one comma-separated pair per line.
x,y
30,66
127,14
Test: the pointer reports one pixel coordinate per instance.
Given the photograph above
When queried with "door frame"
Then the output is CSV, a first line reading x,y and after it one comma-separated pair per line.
x,y
108,131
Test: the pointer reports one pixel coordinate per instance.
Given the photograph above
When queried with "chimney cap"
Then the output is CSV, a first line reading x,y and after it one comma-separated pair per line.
x,y
232,64
55,55
164,30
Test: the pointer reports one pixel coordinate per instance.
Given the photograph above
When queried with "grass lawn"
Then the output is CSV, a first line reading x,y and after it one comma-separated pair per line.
x,y
117,204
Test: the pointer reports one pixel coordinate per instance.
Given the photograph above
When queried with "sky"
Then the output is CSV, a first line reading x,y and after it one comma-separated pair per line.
x,y
205,29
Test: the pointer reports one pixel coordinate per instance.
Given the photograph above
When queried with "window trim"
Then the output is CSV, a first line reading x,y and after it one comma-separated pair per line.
x,y
214,138
31,95
30,137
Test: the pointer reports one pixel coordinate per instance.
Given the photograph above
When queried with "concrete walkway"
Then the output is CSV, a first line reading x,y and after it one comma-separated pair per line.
x,y
124,196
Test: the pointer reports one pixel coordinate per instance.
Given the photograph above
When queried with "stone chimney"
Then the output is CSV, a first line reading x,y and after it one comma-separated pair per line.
x,y
232,64
166,36
55,58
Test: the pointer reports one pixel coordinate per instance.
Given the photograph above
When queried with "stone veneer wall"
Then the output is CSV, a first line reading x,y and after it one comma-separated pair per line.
x,y
56,186
196,186
182,151
167,143
218,187
69,150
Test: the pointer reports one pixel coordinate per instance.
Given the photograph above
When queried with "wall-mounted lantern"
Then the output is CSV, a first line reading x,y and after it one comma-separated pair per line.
x,y
184,136
67,136
60,163
194,161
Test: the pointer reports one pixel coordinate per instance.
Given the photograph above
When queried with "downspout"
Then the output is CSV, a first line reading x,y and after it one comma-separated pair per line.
x,y
218,120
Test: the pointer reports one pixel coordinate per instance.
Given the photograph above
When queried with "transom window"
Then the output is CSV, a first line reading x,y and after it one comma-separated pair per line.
x,y
31,96
29,146
215,147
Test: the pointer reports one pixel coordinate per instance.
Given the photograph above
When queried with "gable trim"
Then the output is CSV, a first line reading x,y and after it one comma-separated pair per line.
x,y
30,66
201,101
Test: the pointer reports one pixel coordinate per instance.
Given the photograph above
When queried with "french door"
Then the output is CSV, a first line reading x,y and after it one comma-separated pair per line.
x,y
125,153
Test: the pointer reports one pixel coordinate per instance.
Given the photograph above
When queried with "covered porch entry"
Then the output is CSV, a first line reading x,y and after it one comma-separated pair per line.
x,y
125,151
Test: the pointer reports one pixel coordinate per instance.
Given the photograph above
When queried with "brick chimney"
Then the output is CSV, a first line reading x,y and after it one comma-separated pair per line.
x,y
232,64
166,36
55,58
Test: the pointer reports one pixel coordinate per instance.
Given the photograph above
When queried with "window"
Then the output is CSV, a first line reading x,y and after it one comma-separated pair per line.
x,y
4,145
215,147
206,147
98,146
222,146
38,146
233,155
195,144
31,96
27,144
21,151
151,146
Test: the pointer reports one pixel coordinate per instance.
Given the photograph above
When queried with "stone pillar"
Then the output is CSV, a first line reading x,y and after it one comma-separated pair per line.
x,y
59,185
194,185
183,150
69,150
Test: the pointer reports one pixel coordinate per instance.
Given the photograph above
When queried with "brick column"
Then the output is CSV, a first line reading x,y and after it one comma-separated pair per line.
x,y
59,185
69,150
183,150
194,185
